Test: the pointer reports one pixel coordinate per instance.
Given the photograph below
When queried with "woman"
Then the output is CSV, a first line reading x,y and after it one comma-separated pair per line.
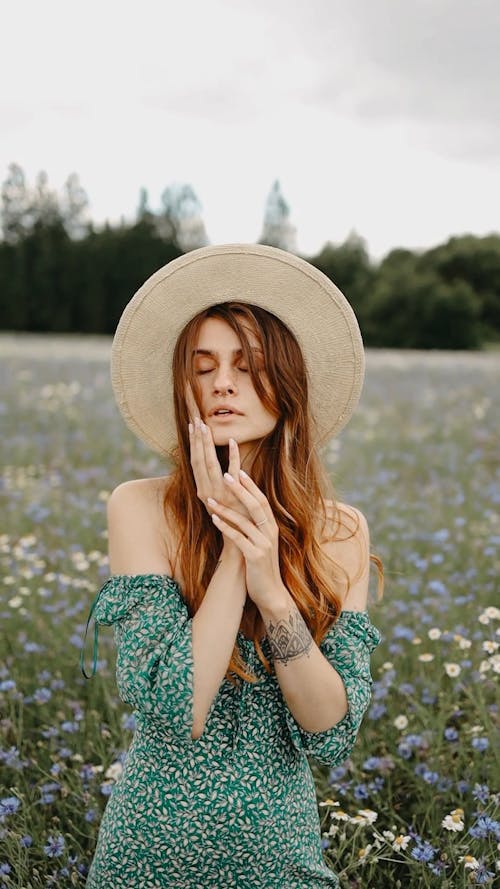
x,y
238,598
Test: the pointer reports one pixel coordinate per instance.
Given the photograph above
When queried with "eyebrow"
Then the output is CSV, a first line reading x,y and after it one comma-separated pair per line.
x,y
234,351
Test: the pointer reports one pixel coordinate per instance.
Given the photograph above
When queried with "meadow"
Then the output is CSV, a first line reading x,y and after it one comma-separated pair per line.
x,y
418,802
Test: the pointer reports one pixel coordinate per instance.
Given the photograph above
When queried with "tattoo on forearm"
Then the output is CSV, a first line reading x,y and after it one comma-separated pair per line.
x,y
289,638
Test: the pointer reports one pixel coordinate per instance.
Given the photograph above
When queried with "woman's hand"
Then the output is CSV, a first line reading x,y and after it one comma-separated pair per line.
x,y
258,544
205,464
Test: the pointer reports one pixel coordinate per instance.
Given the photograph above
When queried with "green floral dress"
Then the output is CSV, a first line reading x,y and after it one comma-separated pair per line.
x,y
237,806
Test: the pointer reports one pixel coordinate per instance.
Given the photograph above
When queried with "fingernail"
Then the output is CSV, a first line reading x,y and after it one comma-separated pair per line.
x,y
197,422
228,477
232,442
243,473
204,428
212,501
190,428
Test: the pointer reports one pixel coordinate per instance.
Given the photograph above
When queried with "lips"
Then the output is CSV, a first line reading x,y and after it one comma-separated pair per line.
x,y
223,407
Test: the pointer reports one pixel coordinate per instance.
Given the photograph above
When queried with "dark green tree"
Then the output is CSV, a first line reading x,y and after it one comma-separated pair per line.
x,y
348,266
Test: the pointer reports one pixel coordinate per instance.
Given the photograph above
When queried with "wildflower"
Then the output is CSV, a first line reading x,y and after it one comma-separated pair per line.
x,y
454,821
483,876
495,663
469,862
365,816
451,734
490,647
426,657
328,802
481,793
401,842
401,722
362,853
483,827
54,846
452,670
340,815
480,744
423,851
114,771
434,633
8,806
15,602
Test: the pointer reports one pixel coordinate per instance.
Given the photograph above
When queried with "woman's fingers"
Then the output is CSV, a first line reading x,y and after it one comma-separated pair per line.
x,y
253,499
242,523
234,458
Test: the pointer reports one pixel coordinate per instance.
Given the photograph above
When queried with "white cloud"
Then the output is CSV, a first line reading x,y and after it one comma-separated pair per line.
x,y
376,116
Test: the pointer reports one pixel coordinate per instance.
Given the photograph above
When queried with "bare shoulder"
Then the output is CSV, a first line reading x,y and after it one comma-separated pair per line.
x,y
348,543
137,528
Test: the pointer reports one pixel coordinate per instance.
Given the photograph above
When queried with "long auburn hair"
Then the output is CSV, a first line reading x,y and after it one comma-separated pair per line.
x,y
286,467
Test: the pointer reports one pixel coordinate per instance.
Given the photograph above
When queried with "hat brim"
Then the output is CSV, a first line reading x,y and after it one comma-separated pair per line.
x,y
300,295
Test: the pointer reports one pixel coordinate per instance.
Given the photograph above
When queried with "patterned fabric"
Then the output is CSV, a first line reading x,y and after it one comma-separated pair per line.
x,y
237,806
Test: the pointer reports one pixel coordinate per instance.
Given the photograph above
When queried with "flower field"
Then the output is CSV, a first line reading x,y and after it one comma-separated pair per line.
x,y
418,802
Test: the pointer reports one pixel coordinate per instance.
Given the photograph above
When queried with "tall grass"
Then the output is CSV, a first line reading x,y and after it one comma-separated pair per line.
x,y
417,803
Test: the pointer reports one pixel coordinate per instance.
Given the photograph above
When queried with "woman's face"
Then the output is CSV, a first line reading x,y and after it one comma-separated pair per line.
x,y
225,381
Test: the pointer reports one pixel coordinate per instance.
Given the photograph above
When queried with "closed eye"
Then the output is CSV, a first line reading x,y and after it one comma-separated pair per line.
x,y
243,370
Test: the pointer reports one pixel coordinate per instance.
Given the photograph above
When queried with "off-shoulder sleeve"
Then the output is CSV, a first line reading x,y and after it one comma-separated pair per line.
x,y
347,646
153,637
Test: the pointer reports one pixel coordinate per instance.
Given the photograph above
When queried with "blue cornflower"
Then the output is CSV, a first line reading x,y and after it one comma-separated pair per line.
x,y
462,787
86,772
406,688
371,764
68,726
483,876
90,815
361,792
337,773
54,846
33,646
8,806
423,852
377,711
65,752
480,744
26,841
7,685
437,867
438,587
484,826
5,869
481,792
451,734
41,695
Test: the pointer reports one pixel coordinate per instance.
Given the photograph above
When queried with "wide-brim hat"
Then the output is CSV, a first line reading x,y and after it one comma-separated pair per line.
x,y
308,302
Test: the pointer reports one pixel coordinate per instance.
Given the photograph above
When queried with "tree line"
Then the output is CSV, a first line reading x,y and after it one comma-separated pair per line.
x,y
59,273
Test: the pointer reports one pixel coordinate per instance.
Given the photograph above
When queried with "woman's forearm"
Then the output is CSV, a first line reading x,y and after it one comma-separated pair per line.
x,y
312,688
215,627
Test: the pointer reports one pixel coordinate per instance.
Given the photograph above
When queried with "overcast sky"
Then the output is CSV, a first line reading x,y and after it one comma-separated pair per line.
x,y
381,116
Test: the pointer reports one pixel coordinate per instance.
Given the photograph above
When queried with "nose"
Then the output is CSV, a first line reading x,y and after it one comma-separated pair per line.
x,y
224,379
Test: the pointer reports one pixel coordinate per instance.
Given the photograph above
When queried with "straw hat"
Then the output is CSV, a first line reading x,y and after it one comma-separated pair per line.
x,y
301,296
